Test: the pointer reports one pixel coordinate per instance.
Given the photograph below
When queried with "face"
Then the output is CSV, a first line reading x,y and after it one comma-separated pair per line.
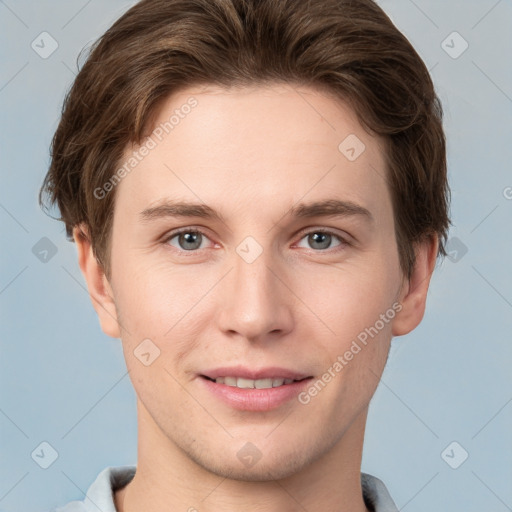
x,y
288,263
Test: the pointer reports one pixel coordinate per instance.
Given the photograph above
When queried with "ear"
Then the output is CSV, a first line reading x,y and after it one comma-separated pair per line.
x,y
413,295
100,291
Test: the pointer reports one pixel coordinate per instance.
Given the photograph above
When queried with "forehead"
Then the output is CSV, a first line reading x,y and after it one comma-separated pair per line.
x,y
266,145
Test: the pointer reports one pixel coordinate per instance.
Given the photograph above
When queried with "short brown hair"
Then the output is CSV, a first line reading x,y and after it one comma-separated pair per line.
x,y
347,47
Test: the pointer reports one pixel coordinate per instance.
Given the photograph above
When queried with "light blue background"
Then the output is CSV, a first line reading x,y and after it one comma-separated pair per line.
x,y
64,382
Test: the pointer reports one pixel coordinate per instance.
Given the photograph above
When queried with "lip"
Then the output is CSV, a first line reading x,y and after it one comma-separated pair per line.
x,y
254,374
256,400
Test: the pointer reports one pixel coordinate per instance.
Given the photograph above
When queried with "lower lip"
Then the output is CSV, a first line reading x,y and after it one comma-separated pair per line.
x,y
255,399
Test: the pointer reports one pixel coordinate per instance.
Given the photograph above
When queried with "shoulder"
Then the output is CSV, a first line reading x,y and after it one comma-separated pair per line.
x,y
100,494
376,494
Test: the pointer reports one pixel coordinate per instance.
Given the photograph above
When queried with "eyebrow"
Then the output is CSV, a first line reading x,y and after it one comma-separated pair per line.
x,y
325,208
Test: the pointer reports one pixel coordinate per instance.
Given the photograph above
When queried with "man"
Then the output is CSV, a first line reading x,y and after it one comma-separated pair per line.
x,y
258,194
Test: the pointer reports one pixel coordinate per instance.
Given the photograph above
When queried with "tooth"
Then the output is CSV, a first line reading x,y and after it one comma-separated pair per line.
x,y
263,383
244,383
230,381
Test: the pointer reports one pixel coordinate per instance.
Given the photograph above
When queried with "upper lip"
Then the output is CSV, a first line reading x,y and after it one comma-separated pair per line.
x,y
254,374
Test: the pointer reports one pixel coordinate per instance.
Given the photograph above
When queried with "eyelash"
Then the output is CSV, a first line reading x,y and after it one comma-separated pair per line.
x,y
343,242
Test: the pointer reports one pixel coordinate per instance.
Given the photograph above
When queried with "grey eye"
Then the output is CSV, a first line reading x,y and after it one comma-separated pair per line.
x,y
321,240
187,240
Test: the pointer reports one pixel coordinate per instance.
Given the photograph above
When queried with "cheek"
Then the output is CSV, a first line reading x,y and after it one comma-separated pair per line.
x,y
347,296
358,312
353,306
158,301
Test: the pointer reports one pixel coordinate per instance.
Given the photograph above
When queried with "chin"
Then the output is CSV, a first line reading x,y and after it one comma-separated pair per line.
x,y
278,467
258,473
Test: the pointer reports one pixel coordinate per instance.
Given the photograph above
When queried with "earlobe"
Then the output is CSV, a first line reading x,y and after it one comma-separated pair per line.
x,y
413,296
100,291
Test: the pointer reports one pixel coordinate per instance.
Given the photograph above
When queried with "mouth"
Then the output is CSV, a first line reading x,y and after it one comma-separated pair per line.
x,y
247,388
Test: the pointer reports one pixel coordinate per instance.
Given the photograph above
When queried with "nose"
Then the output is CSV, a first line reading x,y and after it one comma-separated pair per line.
x,y
256,301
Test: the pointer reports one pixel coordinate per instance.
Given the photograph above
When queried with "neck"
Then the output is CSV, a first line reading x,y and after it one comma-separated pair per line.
x,y
168,479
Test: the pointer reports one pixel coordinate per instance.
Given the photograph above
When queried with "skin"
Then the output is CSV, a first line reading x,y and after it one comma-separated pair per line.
x,y
252,154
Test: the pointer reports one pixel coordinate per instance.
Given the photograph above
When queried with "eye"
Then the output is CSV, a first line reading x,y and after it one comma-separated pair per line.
x,y
187,239
321,239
